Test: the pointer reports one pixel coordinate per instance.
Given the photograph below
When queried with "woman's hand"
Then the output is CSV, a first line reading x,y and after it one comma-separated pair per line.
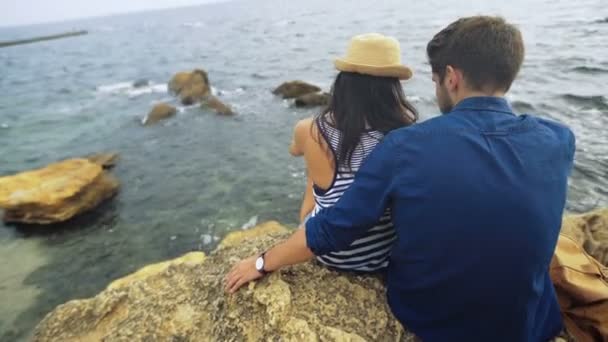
x,y
242,273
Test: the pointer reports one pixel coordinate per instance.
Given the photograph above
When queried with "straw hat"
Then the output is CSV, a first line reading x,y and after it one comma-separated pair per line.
x,y
374,54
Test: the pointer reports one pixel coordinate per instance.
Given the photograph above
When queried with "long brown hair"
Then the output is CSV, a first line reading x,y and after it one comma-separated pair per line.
x,y
360,103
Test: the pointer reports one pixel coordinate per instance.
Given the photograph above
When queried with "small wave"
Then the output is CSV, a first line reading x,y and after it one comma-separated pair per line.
x,y
193,24
227,93
592,111
414,98
587,102
250,224
132,89
105,29
152,88
522,106
298,174
4,125
259,76
207,239
589,70
284,23
602,21
116,87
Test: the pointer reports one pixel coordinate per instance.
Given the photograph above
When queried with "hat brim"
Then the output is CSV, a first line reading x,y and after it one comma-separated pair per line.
x,y
399,71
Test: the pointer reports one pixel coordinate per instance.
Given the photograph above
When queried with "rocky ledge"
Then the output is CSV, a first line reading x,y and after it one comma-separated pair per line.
x,y
183,299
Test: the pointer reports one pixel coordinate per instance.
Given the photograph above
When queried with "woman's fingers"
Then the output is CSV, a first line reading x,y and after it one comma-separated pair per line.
x,y
230,274
237,285
231,282
233,271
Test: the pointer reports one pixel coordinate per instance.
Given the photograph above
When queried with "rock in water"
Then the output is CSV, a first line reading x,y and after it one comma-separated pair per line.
x,y
591,231
312,100
159,112
289,90
105,160
184,300
215,104
191,87
55,193
141,83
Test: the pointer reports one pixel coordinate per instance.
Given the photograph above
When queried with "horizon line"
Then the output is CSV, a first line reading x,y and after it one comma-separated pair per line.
x,y
111,14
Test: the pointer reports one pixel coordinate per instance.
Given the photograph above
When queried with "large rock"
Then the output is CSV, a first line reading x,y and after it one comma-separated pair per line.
x,y
213,103
55,193
159,112
190,86
183,300
312,100
591,231
289,90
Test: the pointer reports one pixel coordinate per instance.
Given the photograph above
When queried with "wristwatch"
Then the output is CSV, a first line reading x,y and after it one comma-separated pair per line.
x,y
259,264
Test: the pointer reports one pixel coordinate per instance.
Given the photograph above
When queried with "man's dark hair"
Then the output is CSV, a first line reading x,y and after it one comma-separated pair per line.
x,y
488,50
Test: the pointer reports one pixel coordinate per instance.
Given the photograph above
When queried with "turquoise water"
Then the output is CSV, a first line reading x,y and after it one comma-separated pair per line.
x,y
188,181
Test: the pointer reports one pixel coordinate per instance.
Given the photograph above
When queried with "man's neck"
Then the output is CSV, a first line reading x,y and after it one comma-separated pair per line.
x,y
473,93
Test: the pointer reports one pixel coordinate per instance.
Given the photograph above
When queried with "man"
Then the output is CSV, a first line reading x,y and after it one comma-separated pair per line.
x,y
476,195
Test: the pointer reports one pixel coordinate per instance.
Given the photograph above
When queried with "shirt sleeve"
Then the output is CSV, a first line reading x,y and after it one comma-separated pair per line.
x,y
360,207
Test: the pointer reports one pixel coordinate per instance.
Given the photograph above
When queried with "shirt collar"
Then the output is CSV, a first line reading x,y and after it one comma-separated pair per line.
x,y
484,103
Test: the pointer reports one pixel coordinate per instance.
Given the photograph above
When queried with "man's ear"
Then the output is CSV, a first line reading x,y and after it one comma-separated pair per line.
x,y
453,78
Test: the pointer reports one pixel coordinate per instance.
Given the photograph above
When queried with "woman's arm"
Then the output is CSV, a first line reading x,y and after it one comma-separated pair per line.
x,y
308,202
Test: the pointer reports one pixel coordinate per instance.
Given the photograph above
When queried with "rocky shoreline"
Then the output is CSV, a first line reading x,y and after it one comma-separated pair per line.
x,y
183,299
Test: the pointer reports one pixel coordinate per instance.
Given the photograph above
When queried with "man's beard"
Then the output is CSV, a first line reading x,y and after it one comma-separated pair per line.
x,y
443,100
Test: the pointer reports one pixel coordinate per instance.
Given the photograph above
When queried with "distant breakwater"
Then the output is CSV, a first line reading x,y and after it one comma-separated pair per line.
x,y
42,38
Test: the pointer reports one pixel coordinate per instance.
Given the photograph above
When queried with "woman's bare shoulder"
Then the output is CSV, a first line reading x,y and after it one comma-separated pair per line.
x,y
304,124
305,128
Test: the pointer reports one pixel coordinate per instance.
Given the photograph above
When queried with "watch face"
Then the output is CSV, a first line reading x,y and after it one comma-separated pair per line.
x,y
259,264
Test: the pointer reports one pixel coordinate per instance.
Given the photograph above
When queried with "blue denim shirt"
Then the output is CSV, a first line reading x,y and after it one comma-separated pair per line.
x,y
477,197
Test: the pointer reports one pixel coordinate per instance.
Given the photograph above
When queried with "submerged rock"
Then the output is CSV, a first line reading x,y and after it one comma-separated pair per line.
x,y
216,105
289,90
105,160
312,100
190,86
184,300
159,112
141,83
55,193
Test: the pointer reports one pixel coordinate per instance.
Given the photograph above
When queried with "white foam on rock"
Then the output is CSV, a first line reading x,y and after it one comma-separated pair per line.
x,y
251,223
128,89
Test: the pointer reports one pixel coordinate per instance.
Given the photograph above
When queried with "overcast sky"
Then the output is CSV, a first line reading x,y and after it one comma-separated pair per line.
x,y
22,12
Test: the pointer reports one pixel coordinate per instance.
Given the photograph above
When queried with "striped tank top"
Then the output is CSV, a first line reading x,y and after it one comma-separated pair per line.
x,y
370,252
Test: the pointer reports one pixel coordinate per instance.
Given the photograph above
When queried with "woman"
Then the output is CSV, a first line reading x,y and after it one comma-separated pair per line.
x,y
367,102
